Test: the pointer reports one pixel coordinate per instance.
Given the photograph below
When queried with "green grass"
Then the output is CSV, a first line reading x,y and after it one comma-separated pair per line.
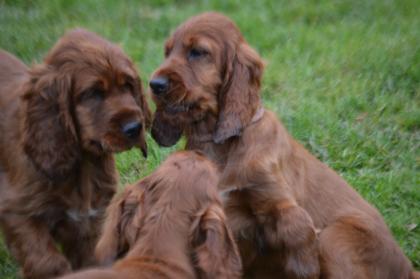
x,y
344,77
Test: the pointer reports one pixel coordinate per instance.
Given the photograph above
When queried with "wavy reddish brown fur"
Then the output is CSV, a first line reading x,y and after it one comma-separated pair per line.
x,y
60,124
292,216
169,225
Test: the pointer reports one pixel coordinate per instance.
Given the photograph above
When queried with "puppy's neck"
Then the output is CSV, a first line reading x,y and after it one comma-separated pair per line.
x,y
201,132
200,136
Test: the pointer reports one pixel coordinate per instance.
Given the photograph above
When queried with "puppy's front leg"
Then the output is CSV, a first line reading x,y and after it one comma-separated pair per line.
x,y
78,242
30,242
289,227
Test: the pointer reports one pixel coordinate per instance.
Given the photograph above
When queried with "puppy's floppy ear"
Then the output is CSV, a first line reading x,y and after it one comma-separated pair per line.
x,y
239,96
215,250
120,228
49,135
166,130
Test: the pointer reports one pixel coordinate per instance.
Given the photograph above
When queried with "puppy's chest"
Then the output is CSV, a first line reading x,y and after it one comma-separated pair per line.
x,y
82,203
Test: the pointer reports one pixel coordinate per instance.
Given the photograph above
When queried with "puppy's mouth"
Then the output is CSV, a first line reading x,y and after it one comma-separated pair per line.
x,y
96,146
100,147
115,144
178,107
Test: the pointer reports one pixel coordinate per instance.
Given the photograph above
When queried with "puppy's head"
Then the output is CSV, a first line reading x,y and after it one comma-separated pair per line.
x,y
177,206
208,69
85,97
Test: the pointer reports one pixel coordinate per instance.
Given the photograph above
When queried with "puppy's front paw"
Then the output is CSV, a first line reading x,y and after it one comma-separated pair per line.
x,y
303,263
289,227
291,230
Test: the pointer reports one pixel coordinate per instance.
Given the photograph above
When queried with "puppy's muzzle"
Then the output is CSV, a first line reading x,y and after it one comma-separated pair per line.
x,y
132,130
159,85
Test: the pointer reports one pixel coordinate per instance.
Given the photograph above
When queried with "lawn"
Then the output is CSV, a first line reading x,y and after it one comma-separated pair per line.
x,y
344,77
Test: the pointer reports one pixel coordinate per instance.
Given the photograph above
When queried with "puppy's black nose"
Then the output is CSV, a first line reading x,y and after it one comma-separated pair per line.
x,y
132,129
159,85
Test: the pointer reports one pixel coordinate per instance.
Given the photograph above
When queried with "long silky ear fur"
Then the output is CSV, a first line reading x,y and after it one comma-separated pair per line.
x,y
239,97
215,250
120,227
49,135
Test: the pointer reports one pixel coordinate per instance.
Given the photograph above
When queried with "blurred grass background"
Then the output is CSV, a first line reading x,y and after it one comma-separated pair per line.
x,y
344,77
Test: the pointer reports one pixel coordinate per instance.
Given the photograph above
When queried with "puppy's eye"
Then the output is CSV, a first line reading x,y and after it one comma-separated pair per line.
x,y
129,86
95,94
167,52
196,53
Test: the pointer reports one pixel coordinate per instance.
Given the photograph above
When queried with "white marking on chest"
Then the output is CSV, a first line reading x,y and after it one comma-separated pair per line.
x,y
78,215
224,194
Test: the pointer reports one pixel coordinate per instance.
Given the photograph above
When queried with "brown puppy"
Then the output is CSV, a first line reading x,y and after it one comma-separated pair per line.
x,y
169,225
277,194
60,122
